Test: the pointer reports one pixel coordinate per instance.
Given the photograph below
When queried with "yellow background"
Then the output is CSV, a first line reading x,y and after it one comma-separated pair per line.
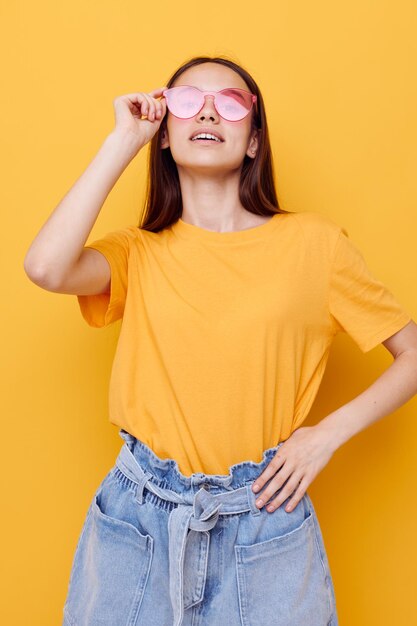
x,y
339,83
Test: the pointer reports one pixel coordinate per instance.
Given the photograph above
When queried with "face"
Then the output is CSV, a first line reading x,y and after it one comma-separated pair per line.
x,y
210,156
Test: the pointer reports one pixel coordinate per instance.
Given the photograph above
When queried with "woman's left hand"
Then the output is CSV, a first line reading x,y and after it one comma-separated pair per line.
x,y
301,457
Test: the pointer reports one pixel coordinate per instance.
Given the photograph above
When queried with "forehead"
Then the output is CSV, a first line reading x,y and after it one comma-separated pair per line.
x,y
210,77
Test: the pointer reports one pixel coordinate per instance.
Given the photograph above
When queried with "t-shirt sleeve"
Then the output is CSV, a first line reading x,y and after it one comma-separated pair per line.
x,y
102,309
359,303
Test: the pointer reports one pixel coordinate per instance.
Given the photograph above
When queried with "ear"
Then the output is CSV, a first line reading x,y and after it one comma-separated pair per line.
x,y
164,138
253,144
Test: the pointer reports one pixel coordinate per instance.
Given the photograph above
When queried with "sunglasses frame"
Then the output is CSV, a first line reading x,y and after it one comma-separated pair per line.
x,y
211,93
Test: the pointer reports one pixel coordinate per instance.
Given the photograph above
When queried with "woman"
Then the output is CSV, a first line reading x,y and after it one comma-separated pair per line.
x,y
229,305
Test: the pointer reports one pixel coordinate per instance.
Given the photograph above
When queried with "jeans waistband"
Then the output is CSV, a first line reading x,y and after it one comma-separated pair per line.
x,y
167,473
196,511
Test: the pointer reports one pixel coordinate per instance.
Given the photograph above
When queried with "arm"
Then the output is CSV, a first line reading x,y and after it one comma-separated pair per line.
x,y
396,385
309,448
57,260
58,246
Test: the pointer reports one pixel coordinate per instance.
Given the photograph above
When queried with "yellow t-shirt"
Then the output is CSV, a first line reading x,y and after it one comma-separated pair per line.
x,y
225,336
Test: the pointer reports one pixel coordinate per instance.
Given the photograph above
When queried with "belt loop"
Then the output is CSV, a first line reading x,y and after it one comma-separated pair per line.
x,y
251,499
140,487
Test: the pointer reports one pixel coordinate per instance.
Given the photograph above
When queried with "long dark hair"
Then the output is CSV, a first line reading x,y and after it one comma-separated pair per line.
x,y
163,200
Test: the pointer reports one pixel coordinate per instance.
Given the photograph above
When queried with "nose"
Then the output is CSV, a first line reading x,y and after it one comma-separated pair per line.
x,y
208,108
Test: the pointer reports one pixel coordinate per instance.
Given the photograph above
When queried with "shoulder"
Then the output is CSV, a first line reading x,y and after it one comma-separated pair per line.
x,y
318,227
128,236
125,234
131,232
314,221
116,240
319,232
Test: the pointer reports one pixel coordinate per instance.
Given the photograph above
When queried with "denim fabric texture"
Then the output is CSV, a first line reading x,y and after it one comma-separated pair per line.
x,y
158,548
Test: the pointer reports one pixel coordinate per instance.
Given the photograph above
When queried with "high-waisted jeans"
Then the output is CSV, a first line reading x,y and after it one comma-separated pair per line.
x,y
158,548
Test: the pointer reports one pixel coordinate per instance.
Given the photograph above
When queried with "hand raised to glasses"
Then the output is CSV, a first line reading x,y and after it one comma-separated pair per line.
x,y
129,110
301,457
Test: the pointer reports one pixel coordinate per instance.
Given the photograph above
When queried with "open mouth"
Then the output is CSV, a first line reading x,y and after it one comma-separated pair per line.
x,y
206,137
206,141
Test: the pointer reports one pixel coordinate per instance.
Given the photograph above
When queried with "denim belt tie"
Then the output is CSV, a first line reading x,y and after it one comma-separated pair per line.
x,y
199,512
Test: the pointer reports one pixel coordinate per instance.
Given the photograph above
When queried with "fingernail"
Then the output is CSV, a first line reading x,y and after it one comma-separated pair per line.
x,y
255,487
259,502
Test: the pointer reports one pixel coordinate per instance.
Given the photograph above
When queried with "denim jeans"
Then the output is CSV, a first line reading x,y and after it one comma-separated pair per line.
x,y
158,548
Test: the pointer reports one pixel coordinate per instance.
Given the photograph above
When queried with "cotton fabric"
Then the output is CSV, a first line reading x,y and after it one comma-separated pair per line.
x,y
225,336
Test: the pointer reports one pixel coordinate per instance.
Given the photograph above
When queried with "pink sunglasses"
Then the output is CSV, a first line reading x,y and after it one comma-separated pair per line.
x,y
232,104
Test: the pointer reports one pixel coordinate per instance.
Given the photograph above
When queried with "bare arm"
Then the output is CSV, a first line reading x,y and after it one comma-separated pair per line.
x,y
56,259
309,448
395,386
58,246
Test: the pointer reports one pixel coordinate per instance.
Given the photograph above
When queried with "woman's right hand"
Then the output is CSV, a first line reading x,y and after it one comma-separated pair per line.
x,y
131,107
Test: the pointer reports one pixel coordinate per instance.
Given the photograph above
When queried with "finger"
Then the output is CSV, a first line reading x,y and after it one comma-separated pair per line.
x,y
155,110
157,92
148,107
155,106
298,495
159,108
274,485
163,106
295,486
137,102
275,464
143,102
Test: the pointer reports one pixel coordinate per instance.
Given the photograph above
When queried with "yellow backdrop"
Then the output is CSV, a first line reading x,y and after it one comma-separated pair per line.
x,y
338,79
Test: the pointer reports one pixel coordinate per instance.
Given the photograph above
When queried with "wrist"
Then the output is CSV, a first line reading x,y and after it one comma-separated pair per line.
x,y
124,142
331,429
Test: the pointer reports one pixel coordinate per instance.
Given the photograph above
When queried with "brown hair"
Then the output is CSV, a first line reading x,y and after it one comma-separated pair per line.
x,y
163,203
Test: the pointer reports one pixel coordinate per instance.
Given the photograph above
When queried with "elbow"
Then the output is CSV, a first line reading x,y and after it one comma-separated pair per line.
x,y
39,275
31,271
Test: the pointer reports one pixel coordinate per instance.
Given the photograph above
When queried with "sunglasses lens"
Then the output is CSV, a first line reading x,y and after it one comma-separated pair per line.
x,y
234,104
185,102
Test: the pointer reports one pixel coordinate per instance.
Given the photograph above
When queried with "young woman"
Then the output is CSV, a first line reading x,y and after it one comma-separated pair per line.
x,y
229,305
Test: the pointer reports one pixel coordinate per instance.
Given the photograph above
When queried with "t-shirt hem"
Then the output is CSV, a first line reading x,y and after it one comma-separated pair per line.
x,y
97,308
385,332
